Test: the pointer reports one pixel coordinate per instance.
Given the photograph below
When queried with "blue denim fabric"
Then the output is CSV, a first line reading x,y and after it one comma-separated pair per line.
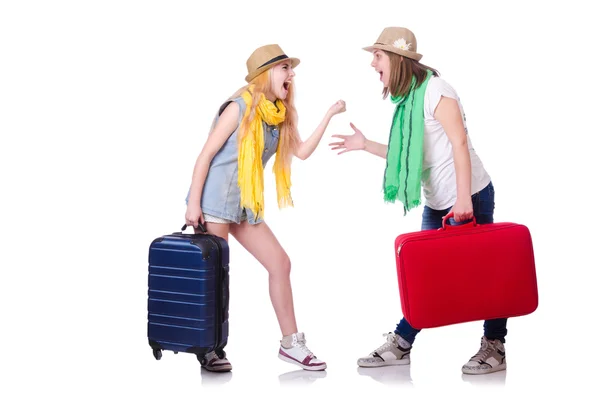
x,y
221,193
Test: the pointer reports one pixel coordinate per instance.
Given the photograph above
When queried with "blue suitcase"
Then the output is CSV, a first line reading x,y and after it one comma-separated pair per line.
x,y
188,294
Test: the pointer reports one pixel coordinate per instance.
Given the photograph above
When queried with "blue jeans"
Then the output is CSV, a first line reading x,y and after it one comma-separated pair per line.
x,y
483,210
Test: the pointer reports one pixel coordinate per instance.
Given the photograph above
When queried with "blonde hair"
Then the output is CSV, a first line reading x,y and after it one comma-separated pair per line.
x,y
288,131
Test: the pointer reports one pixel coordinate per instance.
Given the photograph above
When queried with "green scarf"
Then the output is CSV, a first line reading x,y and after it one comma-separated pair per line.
x,y
402,178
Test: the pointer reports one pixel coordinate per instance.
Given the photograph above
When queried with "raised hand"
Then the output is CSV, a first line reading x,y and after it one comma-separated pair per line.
x,y
337,108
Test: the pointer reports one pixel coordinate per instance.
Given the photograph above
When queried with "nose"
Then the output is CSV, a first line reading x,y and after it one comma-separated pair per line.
x,y
292,73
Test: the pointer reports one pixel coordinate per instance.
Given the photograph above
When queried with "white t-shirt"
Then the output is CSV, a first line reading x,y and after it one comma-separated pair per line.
x,y
438,177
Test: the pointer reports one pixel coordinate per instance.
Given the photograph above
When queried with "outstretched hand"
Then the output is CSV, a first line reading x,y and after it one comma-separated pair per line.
x,y
356,141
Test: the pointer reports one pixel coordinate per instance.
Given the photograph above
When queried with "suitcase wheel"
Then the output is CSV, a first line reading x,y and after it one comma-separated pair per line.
x,y
157,354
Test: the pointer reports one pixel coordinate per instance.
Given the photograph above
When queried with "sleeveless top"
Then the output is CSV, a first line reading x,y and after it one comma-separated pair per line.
x,y
221,193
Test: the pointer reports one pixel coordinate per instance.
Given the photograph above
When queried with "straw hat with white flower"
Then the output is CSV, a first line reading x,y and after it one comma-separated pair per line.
x,y
400,41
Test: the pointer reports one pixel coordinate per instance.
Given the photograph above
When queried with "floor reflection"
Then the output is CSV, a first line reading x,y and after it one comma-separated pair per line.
x,y
391,375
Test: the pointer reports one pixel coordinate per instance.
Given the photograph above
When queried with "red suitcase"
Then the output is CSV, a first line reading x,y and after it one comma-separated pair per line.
x,y
470,272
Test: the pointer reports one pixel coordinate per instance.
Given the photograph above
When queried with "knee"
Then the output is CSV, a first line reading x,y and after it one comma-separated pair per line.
x,y
281,267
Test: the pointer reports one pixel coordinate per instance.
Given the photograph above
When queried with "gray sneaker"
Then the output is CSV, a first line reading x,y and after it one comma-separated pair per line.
x,y
491,357
395,351
214,363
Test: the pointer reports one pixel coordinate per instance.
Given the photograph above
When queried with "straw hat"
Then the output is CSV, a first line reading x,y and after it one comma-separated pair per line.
x,y
266,57
400,41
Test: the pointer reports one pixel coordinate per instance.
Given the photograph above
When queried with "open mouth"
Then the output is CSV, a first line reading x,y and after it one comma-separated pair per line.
x,y
286,85
380,76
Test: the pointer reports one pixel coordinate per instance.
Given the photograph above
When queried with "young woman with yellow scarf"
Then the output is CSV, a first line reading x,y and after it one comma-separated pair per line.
x,y
226,192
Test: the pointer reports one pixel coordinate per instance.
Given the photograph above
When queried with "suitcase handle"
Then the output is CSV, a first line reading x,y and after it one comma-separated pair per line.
x,y
451,215
200,225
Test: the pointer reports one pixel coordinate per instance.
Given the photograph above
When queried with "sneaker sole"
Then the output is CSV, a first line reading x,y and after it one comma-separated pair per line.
x,y
384,363
306,367
501,367
223,368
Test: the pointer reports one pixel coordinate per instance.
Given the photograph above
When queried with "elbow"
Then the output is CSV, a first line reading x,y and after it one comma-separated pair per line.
x,y
204,159
460,144
302,156
302,153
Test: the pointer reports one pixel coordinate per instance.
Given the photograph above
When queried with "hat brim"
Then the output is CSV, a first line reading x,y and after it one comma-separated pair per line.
x,y
251,76
395,50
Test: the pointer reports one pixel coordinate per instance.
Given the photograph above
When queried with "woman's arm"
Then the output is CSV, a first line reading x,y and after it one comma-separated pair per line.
x,y
305,149
357,141
449,115
225,126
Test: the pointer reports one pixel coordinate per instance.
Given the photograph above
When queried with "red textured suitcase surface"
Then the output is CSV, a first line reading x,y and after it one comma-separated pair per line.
x,y
465,273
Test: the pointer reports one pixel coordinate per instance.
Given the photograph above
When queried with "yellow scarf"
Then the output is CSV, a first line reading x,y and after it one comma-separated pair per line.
x,y
250,166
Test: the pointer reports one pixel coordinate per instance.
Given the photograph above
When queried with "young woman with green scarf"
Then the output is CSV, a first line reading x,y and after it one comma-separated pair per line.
x,y
429,149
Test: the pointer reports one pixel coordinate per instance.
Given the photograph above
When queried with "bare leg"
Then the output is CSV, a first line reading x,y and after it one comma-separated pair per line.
x,y
260,241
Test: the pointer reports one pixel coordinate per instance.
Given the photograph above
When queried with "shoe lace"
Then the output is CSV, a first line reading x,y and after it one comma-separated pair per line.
x,y
302,346
484,351
390,341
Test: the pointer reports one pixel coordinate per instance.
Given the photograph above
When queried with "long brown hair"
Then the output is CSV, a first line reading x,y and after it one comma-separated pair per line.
x,y
402,70
288,135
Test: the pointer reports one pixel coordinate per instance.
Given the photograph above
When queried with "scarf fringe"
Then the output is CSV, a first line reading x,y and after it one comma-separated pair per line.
x,y
283,184
390,194
413,204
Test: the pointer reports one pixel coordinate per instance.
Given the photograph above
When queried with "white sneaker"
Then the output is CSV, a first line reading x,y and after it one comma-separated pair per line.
x,y
297,353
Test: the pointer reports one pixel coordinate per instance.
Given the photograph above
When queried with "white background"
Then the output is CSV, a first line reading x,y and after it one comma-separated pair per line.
x,y
104,106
